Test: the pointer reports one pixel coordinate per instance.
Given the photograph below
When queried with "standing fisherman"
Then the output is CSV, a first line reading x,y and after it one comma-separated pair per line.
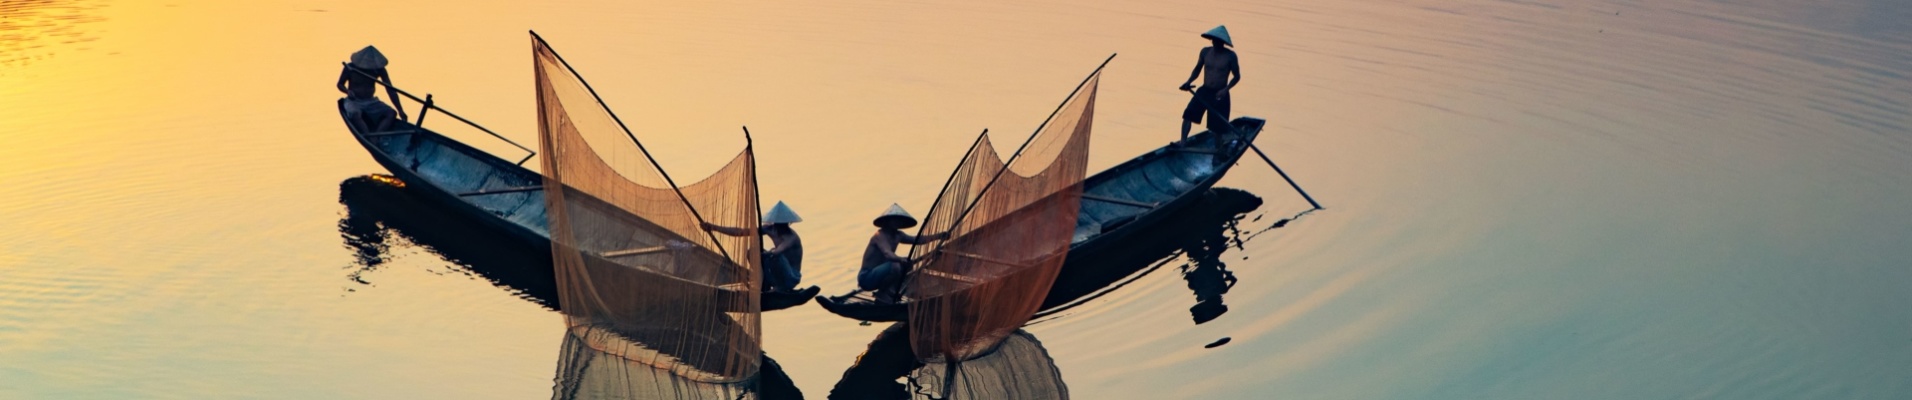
x,y
1215,65
883,270
359,81
783,264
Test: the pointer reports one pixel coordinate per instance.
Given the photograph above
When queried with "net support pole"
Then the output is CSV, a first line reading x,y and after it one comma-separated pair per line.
x,y
949,375
947,182
1032,138
640,145
756,192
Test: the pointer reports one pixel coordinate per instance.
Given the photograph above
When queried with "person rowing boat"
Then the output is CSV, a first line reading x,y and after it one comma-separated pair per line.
x,y
883,270
783,263
1215,66
359,81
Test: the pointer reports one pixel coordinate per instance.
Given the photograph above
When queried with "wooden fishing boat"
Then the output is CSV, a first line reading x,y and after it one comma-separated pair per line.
x,y
503,195
1117,203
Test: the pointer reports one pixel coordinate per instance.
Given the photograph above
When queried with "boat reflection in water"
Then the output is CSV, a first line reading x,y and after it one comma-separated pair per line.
x,y
380,212
1017,368
1200,233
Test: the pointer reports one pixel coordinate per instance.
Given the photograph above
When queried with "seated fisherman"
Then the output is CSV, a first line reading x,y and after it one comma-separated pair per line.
x,y
1216,63
359,80
883,270
783,264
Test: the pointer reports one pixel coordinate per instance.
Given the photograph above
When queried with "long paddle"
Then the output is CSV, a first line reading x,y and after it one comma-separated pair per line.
x,y
1230,128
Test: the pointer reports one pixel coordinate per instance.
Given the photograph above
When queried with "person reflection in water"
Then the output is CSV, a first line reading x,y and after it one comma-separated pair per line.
x,y
782,264
359,81
883,270
1207,276
1215,65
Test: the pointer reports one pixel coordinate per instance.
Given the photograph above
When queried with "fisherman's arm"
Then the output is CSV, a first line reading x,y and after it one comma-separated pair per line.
x,y
1200,60
889,251
784,245
925,238
392,92
343,74
1234,69
725,229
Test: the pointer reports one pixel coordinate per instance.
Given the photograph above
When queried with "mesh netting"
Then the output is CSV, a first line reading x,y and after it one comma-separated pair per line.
x,y
637,276
1009,233
1018,368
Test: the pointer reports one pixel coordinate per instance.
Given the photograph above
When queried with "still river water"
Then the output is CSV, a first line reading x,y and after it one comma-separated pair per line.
x,y
1526,199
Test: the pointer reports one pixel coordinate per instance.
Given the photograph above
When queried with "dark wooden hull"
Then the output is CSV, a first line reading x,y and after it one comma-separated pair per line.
x,y
503,196
1118,204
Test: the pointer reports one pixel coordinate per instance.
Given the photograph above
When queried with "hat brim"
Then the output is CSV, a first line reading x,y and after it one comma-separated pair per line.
x,y
895,222
1213,37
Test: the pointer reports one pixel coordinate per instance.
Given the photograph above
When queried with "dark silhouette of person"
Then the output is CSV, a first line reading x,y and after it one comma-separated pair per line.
x,y
359,80
1215,66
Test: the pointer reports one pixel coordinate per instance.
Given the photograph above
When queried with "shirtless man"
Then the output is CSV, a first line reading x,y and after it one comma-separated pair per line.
x,y
1215,65
359,80
883,270
783,263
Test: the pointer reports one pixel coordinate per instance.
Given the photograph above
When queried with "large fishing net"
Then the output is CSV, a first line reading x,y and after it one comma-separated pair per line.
x,y
1010,227
638,278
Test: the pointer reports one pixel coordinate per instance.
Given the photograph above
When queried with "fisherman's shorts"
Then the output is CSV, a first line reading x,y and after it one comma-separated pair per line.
x,y
779,273
370,111
1195,109
879,277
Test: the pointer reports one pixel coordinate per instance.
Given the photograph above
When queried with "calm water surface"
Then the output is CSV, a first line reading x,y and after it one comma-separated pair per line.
x,y
1526,199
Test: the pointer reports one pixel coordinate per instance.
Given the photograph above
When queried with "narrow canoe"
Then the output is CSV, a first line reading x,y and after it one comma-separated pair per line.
x,y
1117,204
506,197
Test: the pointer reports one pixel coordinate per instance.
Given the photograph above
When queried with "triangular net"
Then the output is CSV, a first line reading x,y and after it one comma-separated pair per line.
x,y
1010,230
638,277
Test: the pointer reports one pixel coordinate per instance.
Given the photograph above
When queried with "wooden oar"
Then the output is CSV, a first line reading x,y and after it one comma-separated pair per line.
x,y
1230,127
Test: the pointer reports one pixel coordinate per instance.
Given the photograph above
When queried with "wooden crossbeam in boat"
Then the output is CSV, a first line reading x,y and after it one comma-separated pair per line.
x,y
950,276
634,252
515,189
391,132
1086,196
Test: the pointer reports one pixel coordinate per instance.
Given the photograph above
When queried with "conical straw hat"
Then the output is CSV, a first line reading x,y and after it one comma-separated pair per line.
x,y
1220,32
895,218
368,58
781,214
